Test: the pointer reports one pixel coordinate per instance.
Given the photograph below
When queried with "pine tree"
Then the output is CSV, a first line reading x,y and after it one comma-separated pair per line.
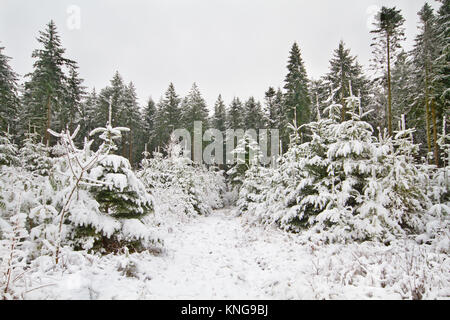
x,y
253,115
167,116
402,87
88,114
344,69
8,94
70,113
34,155
219,119
386,41
8,150
112,94
235,115
130,117
442,61
149,125
297,100
194,109
46,90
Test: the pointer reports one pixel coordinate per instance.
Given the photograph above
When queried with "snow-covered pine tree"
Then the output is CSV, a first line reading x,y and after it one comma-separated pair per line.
x,y
122,195
235,115
8,150
44,92
180,186
344,68
167,116
246,154
103,198
34,155
388,33
9,100
296,98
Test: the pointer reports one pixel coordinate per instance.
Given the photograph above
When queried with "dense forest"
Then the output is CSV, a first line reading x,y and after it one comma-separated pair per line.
x,y
363,159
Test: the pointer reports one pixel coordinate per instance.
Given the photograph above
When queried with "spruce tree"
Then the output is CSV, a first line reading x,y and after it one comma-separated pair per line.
x,y
345,69
270,110
297,100
402,89
8,94
253,115
149,114
442,61
219,118
70,113
45,90
8,150
88,114
235,114
194,109
388,33
167,116
130,117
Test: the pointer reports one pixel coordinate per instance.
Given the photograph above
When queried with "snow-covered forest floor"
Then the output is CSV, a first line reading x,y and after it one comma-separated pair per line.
x,y
221,257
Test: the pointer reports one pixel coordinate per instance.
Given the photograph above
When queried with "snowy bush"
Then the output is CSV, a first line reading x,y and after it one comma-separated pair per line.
x,y
103,198
179,185
34,155
343,184
13,254
8,150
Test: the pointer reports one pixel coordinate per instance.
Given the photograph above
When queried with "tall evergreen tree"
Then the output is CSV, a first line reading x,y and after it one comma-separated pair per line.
x,y
149,125
441,81
112,94
388,33
402,87
220,117
297,98
194,109
442,61
235,114
270,109
424,54
8,94
130,117
70,112
46,90
168,116
345,69
87,114
253,115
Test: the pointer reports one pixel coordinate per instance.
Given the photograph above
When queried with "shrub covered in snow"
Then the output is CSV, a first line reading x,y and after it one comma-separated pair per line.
x,y
343,184
179,185
8,150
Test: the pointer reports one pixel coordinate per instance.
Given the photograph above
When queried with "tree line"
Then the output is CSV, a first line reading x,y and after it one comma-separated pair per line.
x,y
413,83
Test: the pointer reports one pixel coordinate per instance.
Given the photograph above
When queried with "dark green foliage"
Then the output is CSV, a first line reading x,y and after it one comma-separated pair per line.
x,y
45,93
235,114
8,94
296,98
167,116
220,117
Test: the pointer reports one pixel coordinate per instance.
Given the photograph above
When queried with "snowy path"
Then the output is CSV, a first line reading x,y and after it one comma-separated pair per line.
x,y
217,257
221,257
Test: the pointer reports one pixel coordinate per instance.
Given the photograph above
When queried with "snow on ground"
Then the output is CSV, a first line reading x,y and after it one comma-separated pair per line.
x,y
221,257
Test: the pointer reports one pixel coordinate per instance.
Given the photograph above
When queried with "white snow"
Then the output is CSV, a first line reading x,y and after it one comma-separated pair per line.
x,y
221,257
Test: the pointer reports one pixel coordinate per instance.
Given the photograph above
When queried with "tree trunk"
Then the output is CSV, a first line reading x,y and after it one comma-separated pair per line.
x,y
342,94
49,121
389,86
436,149
130,150
427,111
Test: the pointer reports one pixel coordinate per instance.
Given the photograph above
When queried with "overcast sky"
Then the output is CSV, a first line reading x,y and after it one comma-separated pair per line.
x,y
233,47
